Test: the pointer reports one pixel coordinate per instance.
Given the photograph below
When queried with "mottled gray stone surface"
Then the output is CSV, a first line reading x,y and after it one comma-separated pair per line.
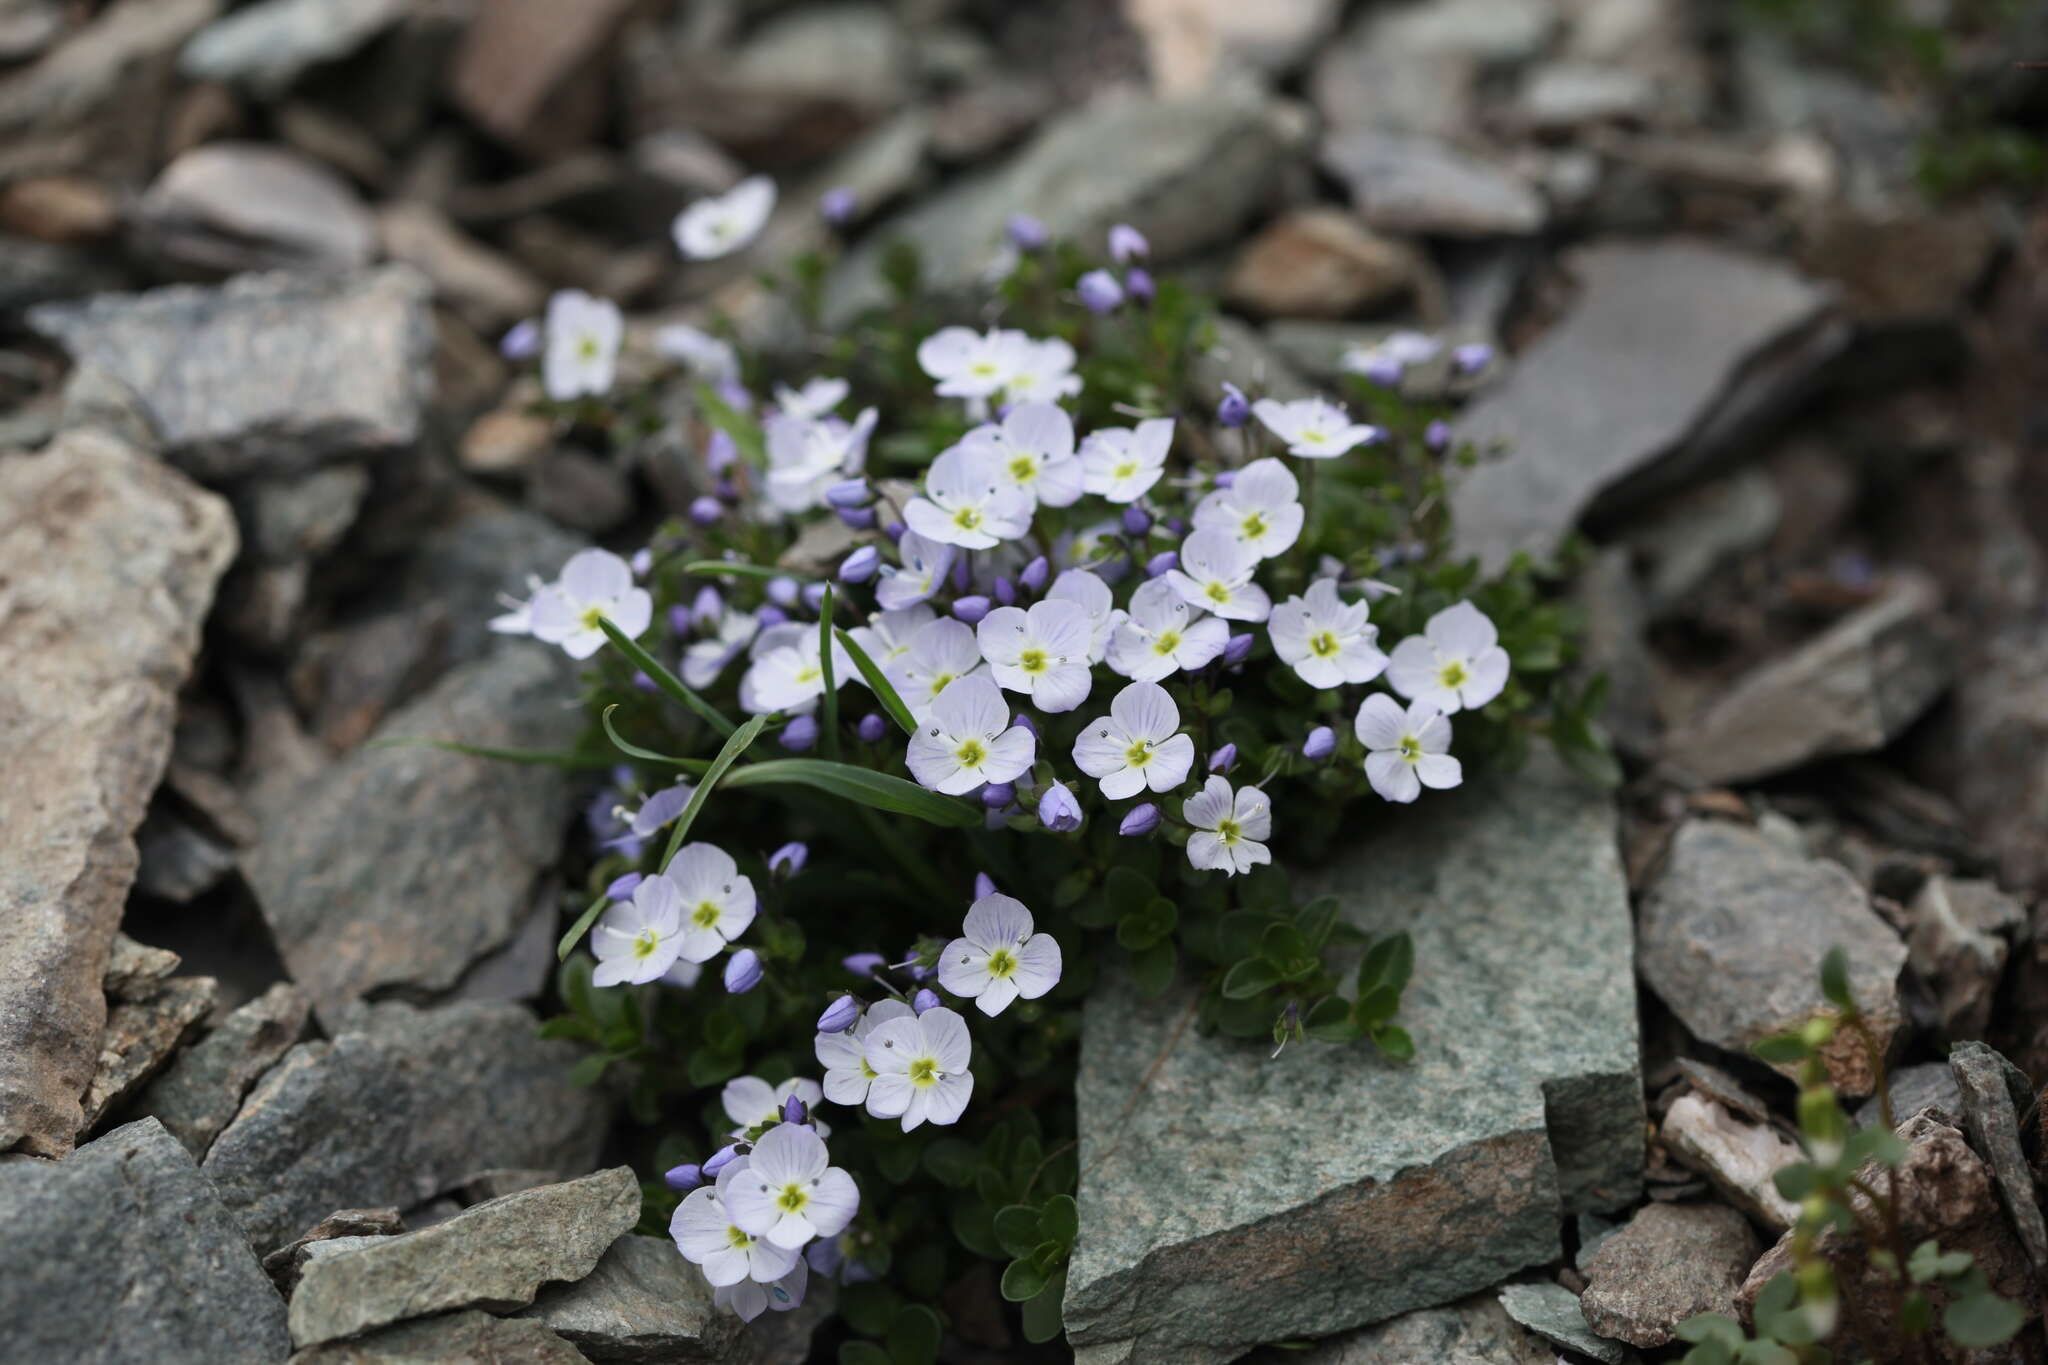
x,y
1923,1085
642,1303
402,1105
466,1338
1552,1312
1407,183
494,1256
123,1253
1248,1199
1737,1157
139,1039
266,46
201,1090
1994,1094
1669,1262
230,206
1474,1331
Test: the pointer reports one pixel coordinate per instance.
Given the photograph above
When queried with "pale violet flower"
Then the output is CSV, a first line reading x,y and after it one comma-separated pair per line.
x,y
717,900
788,671
704,660
1230,827
1311,427
887,635
791,1193
971,364
921,1068
750,1299
1390,355
704,355
1041,652
938,655
1032,451
1137,745
967,503
806,456
1261,508
816,399
1215,574
997,957
1161,635
844,1055
1127,244
966,740
926,562
1088,592
1456,663
640,939
596,585
517,618
704,1231
1325,640
719,225
1405,751
1122,463
750,1101
582,345
1042,372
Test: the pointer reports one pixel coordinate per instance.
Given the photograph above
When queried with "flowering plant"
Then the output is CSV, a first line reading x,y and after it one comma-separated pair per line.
x,y
1018,607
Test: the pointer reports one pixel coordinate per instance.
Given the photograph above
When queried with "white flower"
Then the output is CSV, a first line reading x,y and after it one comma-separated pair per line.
x,y
638,940
1161,634
1405,752
517,618
814,400
967,503
1041,652
750,1299
1397,349
582,353
1215,574
806,456
706,1234
1455,664
844,1055
703,354
1137,745
717,902
704,660
790,1193
971,364
1093,545
1122,463
997,958
1312,427
788,672
920,1065
1325,640
939,654
1088,592
926,562
887,635
681,973
1230,828
596,585
1042,371
1260,508
750,1101
1032,452
719,225
966,739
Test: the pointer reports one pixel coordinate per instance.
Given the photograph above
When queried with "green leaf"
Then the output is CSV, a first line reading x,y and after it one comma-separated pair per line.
x,y
914,1336
1782,1049
727,756
632,750
580,927
733,568
1017,1229
1393,1042
1042,1317
1152,970
952,1162
663,679
543,758
744,430
829,705
862,1353
1834,979
590,1070
974,1228
1378,1005
1022,1281
1796,1181
1330,1019
1316,919
709,1067
1982,1320
1916,1314
1389,962
878,683
1251,977
1710,1327
1059,1219
860,785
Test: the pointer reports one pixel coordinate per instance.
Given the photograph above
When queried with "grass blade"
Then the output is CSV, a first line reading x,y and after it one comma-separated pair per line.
x,y
631,750
544,758
734,747
878,791
878,683
580,928
665,680
826,606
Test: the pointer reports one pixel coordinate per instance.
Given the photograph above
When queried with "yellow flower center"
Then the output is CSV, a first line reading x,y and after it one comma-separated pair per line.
x,y
982,368
867,1073
792,1199
810,673
1323,644
586,349
1001,963
739,1240
1217,592
1410,748
967,518
970,753
1227,830
1254,526
924,1072
1023,468
1032,661
1139,754
1453,674
591,617
1168,642
939,681
1128,469
705,916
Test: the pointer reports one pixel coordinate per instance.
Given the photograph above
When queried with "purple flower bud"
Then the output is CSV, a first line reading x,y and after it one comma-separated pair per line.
x,y
644,683
1026,233
1320,744
970,609
864,964
925,999
641,562
735,395
1058,811
1238,648
859,518
1177,525
789,860
824,1257
872,728
849,493
997,795
1137,521
1161,563
1382,370
894,530
1127,244
706,511
793,1110
1224,478
743,971
1099,292
1471,358
1024,720
679,621
1437,436
1138,284
836,205
1235,410
770,615
1224,759
685,1177
622,886
861,565
1035,573
782,590
1140,819
706,608
1005,592
800,734
840,1015
984,885
961,576
521,341
813,595
720,1159
721,452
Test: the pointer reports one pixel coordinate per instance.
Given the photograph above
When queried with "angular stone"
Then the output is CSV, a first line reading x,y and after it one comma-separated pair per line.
x,y
469,1338
226,207
1552,1312
489,289
1732,933
109,560
300,516
494,1256
273,372
1190,44
343,1225
1994,752
135,970
199,1093
1739,1159
1407,183
524,70
1960,937
1320,263
265,47
1995,1093
643,1303
1435,1178
1924,1085
123,1253
401,1106
1687,542
1413,68
1657,338
140,1037
1849,690
1669,1262
1474,1331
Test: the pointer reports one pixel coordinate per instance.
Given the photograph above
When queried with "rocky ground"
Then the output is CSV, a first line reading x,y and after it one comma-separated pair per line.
x,y
269,1078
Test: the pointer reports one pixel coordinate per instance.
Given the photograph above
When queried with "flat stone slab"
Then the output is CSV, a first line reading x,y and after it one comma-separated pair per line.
x,y
201,1091
123,1253
1250,1200
1474,1331
644,1303
467,1338
1670,1262
1552,1312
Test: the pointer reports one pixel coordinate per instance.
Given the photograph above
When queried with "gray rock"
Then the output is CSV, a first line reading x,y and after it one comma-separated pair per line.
x,y
135,970
1731,934
1614,642
1995,1093
110,560
33,272
300,516
1320,263
1960,936
1552,1312
1670,1262
1739,1159
1654,345
227,207
123,1253
1413,68
469,562
1560,95
179,861
402,1105
1924,1085
1474,1331
1435,1178
265,47
199,1093
1688,541
1994,752
1190,44
343,1225
1411,183
401,865
140,1037
273,372
489,289
494,1256
643,1303
468,1338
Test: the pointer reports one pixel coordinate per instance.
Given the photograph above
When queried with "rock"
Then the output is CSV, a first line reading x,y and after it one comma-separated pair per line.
x,y
1957,944
60,208
1626,384
109,560
402,865
1669,1262
1442,1175
1851,689
402,1105
1738,1159
470,1338
1410,183
642,1303
134,970
1319,263
1562,95
526,71
1242,356
227,207
1995,1093
489,289
1904,270
1473,1331
468,562
343,1225
1190,44
274,372
179,862
506,441
199,1094
494,1256
1924,1085
1413,68
1993,752
1693,538
1552,1312
140,1037
27,28
123,1253
267,46
1614,643
1731,934
301,516
33,272
577,489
